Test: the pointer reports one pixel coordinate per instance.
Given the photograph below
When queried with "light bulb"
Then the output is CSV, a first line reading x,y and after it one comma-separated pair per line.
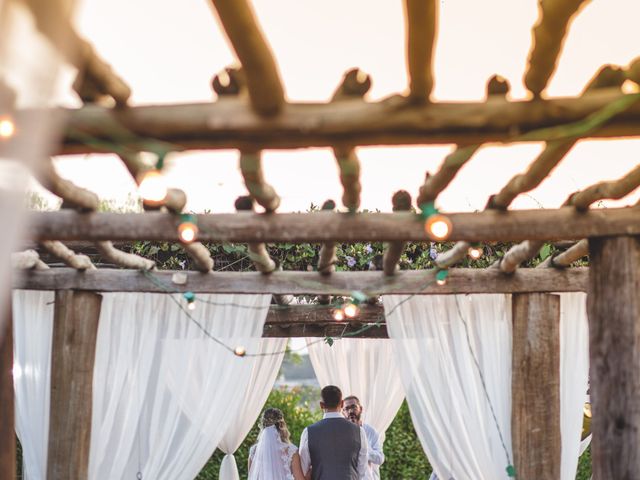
x,y
240,351
153,188
338,315
438,227
442,281
351,310
474,252
191,305
441,277
187,232
7,128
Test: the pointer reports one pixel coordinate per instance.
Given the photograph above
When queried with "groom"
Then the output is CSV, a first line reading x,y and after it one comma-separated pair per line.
x,y
333,448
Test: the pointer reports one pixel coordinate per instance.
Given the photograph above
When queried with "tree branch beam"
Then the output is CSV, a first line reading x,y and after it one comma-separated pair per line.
x,y
615,189
549,33
421,27
319,227
409,282
68,256
266,92
259,189
395,121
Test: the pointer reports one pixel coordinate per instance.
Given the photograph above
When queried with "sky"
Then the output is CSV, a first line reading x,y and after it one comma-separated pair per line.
x,y
168,52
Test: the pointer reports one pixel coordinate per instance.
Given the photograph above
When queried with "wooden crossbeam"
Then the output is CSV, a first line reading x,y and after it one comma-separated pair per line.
x,y
460,280
395,121
421,26
315,321
487,226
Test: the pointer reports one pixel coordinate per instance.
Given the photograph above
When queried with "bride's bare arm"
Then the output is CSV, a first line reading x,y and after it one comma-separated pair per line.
x,y
296,468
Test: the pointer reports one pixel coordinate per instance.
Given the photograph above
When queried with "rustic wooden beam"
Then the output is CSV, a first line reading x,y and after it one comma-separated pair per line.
x,y
394,121
75,327
615,189
246,227
263,80
613,306
535,386
421,26
7,411
316,321
548,37
459,280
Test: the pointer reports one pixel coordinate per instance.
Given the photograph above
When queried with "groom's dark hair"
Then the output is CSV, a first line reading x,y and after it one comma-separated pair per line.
x,y
331,396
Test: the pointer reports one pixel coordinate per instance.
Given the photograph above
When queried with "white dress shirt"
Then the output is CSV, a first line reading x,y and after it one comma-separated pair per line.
x,y
376,456
363,456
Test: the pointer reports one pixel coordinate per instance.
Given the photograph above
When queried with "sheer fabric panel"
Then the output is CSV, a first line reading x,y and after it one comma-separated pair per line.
x,y
32,332
365,368
263,375
449,409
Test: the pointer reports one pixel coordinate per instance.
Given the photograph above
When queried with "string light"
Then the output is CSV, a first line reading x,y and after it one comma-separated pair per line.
x,y
351,310
190,297
7,128
187,230
441,277
438,227
153,187
475,252
338,314
240,351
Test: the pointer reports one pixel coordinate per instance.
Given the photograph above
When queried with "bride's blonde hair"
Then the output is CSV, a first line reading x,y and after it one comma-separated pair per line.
x,y
275,417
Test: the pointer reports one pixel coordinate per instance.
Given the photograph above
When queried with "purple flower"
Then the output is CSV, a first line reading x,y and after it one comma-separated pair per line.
x,y
433,253
351,262
368,248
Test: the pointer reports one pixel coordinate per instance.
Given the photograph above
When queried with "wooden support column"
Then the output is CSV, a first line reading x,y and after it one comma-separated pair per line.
x,y
535,386
7,416
613,306
75,327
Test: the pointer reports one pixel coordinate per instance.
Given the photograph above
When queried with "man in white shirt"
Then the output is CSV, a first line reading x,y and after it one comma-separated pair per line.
x,y
334,448
352,410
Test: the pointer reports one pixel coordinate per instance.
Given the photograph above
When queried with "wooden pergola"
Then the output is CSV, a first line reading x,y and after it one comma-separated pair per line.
x,y
251,114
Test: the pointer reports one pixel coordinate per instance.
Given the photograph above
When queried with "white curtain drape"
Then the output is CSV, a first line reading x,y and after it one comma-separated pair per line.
x,y
450,412
263,375
33,327
444,391
574,378
365,368
163,393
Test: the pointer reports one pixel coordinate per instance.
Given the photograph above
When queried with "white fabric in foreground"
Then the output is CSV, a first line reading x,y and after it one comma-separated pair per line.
x,y
263,375
32,331
163,393
574,378
363,367
449,410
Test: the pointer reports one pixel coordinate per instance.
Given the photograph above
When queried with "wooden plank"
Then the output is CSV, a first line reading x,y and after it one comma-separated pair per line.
x,y
613,306
395,121
320,227
7,412
75,327
460,280
317,321
535,386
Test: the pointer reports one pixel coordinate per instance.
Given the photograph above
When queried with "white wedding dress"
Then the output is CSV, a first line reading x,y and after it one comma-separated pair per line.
x,y
271,457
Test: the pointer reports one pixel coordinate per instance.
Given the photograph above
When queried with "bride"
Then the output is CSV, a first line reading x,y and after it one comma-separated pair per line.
x,y
274,457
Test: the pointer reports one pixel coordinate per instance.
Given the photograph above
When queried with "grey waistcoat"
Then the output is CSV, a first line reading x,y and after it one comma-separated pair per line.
x,y
334,445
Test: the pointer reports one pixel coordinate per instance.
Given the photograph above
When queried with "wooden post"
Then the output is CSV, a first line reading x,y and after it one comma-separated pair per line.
x,y
7,418
75,327
613,306
535,386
